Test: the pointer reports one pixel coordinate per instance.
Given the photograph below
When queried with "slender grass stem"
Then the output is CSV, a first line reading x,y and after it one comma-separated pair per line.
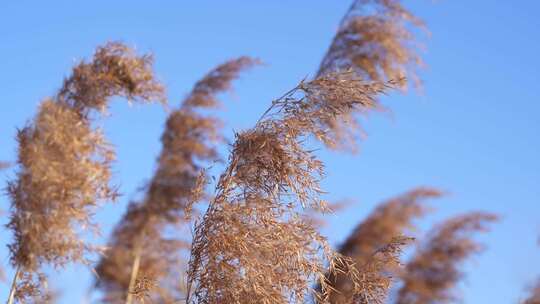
x,y
134,273
13,288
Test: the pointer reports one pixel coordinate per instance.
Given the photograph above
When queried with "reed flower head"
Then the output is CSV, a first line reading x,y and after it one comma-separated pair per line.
x,y
434,271
372,244
115,70
376,41
64,163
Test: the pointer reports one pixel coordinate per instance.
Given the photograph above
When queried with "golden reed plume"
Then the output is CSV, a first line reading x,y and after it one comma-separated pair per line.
x,y
370,245
64,164
433,272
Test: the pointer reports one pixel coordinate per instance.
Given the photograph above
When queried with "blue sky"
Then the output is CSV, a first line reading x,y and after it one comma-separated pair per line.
x,y
473,131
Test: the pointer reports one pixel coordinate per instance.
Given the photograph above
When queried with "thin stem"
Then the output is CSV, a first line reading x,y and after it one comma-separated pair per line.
x,y
188,279
134,271
13,286
274,102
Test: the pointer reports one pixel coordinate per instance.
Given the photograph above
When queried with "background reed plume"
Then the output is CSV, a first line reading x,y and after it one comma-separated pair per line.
x,y
64,164
370,243
188,144
433,272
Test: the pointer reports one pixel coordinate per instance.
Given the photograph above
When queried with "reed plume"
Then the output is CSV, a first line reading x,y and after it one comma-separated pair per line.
x,y
375,41
253,245
383,227
64,164
433,272
188,142
376,278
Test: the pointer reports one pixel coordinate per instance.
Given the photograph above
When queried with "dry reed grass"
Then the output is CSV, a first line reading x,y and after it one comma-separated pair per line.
x,y
188,143
252,245
372,238
258,240
432,274
376,39
64,164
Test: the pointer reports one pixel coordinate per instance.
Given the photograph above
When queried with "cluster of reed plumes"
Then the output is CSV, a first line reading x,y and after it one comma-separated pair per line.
x,y
188,143
64,164
390,220
256,241
252,242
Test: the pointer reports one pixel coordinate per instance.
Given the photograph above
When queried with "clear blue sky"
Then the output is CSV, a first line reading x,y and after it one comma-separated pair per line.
x,y
473,131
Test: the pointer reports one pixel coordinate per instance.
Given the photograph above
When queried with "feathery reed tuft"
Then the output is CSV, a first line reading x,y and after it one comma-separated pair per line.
x,y
433,272
373,41
218,80
376,278
188,142
115,70
376,41
380,230
64,164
